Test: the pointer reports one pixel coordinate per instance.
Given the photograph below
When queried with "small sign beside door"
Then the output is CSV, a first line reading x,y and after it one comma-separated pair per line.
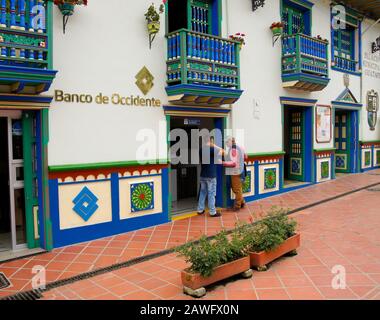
x,y
323,124
372,108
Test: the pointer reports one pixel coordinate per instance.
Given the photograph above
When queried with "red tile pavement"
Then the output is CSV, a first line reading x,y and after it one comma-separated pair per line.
x,y
332,233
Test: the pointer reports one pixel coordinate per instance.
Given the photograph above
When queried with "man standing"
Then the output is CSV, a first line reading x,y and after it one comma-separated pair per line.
x,y
208,157
236,170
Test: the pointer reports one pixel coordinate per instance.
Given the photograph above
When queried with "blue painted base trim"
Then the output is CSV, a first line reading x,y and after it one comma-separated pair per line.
x,y
116,226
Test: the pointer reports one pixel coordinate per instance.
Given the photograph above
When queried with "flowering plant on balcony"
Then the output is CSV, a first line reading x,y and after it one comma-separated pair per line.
x,y
67,8
240,38
277,28
320,38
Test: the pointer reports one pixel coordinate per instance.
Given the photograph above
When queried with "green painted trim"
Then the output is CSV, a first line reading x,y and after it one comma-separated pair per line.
x,y
369,141
105,165
48,232
29,175
302,4
266,154
49,26
324,150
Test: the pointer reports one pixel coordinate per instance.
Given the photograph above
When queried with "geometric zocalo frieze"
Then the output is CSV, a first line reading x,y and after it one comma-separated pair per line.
x,y
85,204
325,169
142,196
296,166
270,178
247,184
341,161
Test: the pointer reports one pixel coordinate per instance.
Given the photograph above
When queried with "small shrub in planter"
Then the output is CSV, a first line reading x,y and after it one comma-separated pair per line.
x,y
214,260
271,238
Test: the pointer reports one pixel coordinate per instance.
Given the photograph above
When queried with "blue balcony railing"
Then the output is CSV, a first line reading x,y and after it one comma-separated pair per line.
x,y
197,58
23,37
304,54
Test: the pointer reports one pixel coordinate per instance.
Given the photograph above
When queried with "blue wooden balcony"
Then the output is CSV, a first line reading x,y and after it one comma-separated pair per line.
x,y
202,69
304,63
25,51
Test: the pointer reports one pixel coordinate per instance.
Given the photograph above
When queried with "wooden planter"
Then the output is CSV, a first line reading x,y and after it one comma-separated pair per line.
x,y
194,283
259,260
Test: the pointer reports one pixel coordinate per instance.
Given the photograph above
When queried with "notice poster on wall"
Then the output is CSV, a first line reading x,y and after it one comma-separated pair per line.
x,y
323,124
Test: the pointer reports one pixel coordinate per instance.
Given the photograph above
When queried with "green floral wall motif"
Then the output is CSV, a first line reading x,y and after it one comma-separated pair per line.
x,y
367,158
270,179
247,183
325,170
142,196
378,157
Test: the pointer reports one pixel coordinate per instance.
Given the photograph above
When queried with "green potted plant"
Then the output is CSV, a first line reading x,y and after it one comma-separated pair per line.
x,y
214,260
277,28
271,238
152,17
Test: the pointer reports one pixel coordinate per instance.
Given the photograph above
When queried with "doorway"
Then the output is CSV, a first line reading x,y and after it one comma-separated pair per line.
x,y
297,146
346,141
185,168
12,204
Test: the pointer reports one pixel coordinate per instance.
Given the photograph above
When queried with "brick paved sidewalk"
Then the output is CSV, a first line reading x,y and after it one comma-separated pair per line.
x,y
350,225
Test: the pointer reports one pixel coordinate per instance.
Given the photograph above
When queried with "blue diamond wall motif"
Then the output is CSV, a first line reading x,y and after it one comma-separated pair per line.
x,y
296,166
340,162
85,204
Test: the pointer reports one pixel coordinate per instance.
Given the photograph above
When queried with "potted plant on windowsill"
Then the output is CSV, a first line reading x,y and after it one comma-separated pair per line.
x,y
271,238
213,261
277,28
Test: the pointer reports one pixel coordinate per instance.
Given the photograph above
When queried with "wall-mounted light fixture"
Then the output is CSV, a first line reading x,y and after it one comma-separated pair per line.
x,y
257,3
376,45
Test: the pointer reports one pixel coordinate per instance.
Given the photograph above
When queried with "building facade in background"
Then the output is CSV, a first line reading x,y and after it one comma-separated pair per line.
x,y
77,108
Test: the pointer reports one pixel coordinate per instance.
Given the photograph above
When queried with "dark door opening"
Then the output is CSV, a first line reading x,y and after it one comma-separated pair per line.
x,y
294,146
5,210
184,179
343,139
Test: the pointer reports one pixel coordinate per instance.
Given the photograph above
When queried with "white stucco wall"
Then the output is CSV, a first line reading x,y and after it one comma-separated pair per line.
x,y
106,44
371,78
261,73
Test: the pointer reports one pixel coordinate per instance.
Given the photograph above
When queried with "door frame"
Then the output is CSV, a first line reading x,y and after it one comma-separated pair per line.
x,y
222,190
354,115
13,185
308,138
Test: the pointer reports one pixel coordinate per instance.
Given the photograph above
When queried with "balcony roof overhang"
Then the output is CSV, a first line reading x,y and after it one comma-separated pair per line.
x,y
193,94
24,80
369,8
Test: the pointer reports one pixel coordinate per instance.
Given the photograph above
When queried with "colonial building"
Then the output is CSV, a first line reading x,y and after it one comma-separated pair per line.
x,y
82,89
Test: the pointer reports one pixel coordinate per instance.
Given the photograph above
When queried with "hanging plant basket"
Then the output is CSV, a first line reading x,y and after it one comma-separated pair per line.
x,y
152,17
67,8
153,27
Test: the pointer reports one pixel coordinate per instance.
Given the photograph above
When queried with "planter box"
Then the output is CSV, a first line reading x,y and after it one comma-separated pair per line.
x,y
261,259
195,281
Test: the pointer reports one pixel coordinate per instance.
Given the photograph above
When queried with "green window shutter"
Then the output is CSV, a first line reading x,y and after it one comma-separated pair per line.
x,y
293,20
200,16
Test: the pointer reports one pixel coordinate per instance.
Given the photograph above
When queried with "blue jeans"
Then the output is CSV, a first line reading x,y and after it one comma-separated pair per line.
x,y
208,189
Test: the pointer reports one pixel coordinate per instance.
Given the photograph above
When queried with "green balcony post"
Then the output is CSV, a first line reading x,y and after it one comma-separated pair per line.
x,y
237,54
298,53
183,36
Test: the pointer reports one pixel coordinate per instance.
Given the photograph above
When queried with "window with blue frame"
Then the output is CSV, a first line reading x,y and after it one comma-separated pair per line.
x,y
296,17
345,33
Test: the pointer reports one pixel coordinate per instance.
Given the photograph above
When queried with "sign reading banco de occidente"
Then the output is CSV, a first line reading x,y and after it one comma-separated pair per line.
x,y
113,99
